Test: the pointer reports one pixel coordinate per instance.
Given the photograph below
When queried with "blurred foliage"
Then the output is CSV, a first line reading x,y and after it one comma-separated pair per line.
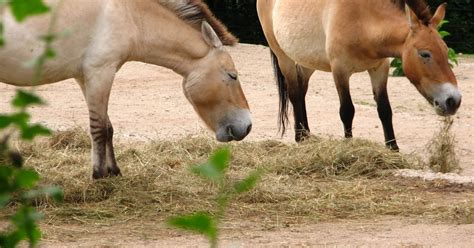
x,y
18,185
241,18
214,171
460,14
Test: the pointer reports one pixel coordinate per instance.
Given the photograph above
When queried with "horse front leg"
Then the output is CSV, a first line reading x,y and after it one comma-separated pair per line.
x,y
96,87
379,78
346,110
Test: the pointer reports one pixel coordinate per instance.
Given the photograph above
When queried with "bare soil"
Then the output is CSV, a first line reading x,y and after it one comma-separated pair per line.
x,y
147,103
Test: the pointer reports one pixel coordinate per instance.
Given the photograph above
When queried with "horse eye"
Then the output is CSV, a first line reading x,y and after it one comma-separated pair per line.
x,y
233,76
425,54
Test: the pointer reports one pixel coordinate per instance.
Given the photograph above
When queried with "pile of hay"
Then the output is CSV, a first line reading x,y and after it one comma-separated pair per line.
x,y
320,179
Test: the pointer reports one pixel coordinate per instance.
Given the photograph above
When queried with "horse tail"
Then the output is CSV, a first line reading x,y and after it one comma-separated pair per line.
x,y
283,95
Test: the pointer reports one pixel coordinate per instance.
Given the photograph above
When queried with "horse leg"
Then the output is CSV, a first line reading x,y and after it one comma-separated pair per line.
x,y
379,77
293,83
297,95
96,88
112,167
346,110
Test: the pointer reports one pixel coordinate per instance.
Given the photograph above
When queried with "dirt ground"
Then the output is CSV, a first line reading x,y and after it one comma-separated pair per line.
x,y
374,233
147,103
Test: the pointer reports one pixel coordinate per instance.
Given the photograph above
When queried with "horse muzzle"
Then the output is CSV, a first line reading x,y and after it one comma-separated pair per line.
x,y
447,100
234,127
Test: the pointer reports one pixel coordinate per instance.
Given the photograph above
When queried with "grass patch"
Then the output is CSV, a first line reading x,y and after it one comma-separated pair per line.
x,y
320,179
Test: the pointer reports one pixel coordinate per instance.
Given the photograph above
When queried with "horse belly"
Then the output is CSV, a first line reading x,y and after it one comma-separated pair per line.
x,y
22,44
299,30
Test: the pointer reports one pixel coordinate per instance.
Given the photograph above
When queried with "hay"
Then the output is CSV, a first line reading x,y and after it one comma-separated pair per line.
x,y
442,155
320,179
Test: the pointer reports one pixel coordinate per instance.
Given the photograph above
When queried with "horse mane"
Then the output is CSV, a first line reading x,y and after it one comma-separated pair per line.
x,y
195,12
419,7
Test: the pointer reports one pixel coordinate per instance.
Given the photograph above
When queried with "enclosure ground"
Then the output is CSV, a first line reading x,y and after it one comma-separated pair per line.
x,y
147,104
400,232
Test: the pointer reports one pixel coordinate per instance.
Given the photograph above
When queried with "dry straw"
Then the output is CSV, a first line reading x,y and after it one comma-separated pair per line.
x,y
320,179
441,149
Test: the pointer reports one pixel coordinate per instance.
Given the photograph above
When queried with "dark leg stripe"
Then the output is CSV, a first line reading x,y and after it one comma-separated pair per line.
x,y
92,119
98,133
95,127
99,139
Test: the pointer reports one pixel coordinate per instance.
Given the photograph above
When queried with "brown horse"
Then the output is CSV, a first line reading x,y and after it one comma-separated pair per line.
x,y
106,34
349,36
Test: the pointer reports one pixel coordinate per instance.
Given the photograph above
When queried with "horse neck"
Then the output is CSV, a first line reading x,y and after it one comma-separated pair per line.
x,y
391,34
164,39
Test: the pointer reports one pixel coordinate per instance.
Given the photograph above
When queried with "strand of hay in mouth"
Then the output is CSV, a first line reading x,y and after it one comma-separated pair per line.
x,y
441,149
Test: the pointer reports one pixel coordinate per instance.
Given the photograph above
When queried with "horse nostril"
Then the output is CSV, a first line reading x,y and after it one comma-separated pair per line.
x,y
249,128
450,103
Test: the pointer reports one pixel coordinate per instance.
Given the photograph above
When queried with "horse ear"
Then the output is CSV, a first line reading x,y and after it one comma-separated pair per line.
x,y
439,15
210,35
413,20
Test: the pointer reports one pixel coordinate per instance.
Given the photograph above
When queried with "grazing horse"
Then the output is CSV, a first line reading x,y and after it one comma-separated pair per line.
x,y
349,36
178,35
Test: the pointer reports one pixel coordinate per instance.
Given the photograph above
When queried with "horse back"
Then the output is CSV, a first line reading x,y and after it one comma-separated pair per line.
x,y
319,33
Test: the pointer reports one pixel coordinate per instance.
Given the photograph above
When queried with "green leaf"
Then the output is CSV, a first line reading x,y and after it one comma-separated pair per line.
x,y
5,174
26,178
200,223
24,220
444,33
248,183
22,9
5,121
215,167
20,119
30,132
24,99
54,192
453,57
4,200
2,40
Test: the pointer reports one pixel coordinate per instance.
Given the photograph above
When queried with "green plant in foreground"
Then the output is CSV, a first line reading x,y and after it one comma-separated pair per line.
x,y
452,55
214,171
18,186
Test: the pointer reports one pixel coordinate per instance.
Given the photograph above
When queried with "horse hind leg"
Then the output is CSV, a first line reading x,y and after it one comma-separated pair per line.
x,y
379,77
293,85
346,110
96,89
297,96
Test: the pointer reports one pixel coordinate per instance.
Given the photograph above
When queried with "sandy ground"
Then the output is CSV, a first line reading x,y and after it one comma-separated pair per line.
x,y
147,103
374,233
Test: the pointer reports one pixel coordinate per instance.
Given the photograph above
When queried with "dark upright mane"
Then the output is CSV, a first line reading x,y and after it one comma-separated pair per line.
x,y
419,7
195,12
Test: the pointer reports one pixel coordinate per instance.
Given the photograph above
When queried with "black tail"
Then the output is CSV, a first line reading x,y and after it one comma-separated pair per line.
x,y
283,95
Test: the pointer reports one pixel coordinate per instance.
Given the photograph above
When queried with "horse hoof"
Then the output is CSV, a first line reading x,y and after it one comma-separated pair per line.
x,y
301,135
114,171
98,175
393,147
